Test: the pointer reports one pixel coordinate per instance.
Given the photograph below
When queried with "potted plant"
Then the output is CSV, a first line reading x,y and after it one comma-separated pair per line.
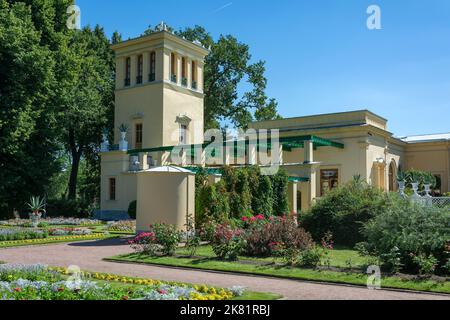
x,y
37,207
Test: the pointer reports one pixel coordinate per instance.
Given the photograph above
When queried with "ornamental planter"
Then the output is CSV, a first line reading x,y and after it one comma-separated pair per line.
x,y
123,144
401,188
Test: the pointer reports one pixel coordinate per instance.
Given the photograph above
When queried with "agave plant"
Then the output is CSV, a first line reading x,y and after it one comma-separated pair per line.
x,y
402,176
123,128
37,206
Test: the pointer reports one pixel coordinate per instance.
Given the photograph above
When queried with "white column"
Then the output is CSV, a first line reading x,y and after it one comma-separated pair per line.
x,y
309,151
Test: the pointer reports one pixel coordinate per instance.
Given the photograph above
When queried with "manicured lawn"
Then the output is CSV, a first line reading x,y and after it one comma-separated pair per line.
x,y
339,257
338,260
56,239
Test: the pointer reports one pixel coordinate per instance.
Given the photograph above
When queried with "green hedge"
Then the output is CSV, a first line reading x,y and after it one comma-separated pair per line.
x,y
241,192
343,211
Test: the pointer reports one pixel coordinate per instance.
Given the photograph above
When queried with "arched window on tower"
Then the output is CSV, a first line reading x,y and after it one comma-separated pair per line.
x,y
152,75
194,75
127,71
173,67
140,68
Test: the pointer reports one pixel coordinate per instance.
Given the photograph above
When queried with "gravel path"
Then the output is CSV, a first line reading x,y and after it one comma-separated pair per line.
x,y
88,255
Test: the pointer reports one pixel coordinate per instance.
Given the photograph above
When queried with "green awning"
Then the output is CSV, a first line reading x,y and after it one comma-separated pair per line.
x,y
288,143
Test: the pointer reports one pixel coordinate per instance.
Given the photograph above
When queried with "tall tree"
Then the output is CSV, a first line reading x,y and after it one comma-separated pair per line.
x,y
229,68
88,97
27,141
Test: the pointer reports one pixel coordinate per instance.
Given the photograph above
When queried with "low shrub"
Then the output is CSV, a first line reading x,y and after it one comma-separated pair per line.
x,y
227,242
162,238
343,211
262,235
410,237
145,243
167,236
132,208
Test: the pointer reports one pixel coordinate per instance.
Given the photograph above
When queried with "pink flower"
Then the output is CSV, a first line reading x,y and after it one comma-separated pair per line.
x,y
253,219
260,217
245,219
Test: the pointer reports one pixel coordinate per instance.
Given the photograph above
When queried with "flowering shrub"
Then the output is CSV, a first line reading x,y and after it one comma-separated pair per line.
x,y
38,282
22,234
145,243
162,238
167,236
264,237
227,242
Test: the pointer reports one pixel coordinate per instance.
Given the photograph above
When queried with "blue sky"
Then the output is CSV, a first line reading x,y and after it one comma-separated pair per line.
x,y
319,54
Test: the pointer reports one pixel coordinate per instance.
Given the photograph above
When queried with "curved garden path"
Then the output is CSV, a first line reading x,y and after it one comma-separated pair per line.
x,y
89,255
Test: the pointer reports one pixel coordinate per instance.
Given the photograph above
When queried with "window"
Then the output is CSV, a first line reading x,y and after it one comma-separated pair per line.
x,y
329,179
194,75
138,136
152,75
140,68
112,189
183,134
183,72
127,71
173,67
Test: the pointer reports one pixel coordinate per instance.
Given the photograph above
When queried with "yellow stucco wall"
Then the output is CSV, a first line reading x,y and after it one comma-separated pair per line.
x,y
115,165
164,197
433,157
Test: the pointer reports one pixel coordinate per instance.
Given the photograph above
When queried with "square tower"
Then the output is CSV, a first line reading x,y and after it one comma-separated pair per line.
x,y
159,98
159,90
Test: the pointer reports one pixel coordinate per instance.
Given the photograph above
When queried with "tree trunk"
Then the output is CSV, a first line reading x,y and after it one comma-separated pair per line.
x,y
76,156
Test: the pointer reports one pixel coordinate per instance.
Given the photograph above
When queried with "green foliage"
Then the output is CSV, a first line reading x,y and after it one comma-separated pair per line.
x,y
27,137
241,192
263,204
280,192
343,211
212,202
227,242
37,205
421,177
68,208
167,236
410,234
132,208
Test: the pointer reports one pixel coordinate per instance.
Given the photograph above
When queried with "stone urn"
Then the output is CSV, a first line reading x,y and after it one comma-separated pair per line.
x,y
427,190
123,144
105,143
35,217
415,187
401,188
